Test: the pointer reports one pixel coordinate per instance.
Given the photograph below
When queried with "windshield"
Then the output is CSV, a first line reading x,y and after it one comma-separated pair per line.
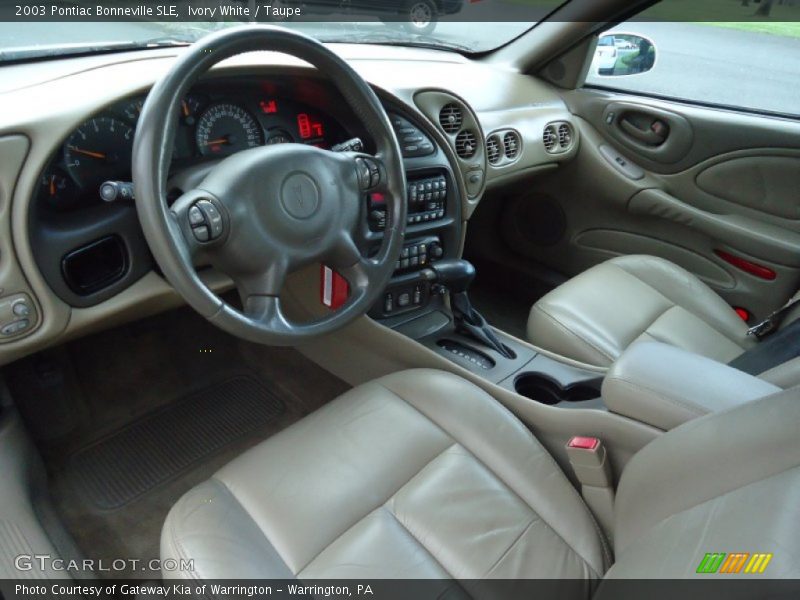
x,y
467,26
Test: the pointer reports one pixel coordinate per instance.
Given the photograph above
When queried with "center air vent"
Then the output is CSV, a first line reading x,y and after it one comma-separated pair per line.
x,y
451,118
558,137
503,147
550,138
466,144
511,145
493,150
564,136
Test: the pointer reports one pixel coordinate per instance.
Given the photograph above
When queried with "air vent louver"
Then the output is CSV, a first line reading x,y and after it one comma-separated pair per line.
x,y
451,118
550,138
511,145
493,150
564,136
466,144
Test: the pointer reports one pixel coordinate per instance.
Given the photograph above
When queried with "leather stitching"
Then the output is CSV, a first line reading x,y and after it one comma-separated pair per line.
x,y
221,484
685,404
632,272
415,538
180,549
577,336
394,493
535,519
719,497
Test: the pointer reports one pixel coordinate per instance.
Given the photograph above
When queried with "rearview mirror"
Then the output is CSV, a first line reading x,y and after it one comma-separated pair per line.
x,y
619,54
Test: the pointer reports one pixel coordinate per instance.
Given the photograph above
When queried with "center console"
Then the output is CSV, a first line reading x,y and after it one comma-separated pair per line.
x,y
426,298
433,229
432,233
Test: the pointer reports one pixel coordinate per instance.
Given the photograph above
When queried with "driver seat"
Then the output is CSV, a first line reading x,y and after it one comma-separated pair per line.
x,y
421,474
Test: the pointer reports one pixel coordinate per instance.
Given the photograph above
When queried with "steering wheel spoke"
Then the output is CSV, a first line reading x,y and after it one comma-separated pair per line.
x,y
350,263
201,223
266,311
267,281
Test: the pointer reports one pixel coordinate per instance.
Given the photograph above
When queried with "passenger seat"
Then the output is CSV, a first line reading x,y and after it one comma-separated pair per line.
x,y
595,316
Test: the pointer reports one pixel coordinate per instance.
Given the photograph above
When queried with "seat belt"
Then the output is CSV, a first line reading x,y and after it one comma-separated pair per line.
x,y
773,350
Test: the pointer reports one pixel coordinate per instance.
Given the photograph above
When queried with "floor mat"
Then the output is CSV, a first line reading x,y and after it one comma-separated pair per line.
x,y
122,467
129,419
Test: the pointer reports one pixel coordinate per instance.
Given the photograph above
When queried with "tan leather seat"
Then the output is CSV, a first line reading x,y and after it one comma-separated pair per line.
x,y
596,315
421,474
418,474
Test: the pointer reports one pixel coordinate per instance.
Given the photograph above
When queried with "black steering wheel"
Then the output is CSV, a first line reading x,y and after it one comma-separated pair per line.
x,y
262,213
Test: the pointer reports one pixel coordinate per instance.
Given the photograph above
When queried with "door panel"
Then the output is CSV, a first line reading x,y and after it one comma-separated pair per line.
x,y
709,188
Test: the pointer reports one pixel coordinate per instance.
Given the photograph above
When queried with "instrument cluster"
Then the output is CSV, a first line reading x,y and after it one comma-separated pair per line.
x,y
214,122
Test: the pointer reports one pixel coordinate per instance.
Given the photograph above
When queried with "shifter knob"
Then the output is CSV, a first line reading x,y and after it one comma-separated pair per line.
x,y
455,274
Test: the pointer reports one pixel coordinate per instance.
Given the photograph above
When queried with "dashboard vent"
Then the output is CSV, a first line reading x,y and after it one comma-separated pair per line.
x,y
550,138
493,150
451,118
564,136
511,144
466,144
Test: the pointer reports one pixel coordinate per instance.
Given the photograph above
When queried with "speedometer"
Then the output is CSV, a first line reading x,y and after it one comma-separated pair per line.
x,y
226,128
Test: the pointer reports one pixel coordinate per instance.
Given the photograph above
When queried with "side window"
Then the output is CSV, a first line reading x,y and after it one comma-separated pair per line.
x,y
751,64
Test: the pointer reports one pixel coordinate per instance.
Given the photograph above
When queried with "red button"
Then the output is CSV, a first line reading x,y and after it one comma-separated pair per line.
x,y
584,443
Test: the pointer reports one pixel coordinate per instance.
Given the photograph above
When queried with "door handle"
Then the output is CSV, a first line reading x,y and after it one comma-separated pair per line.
x,y
654,135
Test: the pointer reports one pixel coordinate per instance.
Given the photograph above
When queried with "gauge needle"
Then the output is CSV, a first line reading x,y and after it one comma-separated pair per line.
x,y
185,106
216,142
52,185
87,152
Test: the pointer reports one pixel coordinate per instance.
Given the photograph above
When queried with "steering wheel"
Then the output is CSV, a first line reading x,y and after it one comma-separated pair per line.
x,y
264,212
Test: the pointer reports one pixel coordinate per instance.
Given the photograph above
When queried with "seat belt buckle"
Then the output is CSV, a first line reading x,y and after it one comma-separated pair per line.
x,y
587,455
762,329
589,461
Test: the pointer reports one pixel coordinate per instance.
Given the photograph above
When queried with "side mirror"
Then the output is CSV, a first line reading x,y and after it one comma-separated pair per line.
x,y
619,54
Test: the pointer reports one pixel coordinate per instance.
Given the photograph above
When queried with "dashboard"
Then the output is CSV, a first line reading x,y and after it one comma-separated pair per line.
x,y
89,250
80,264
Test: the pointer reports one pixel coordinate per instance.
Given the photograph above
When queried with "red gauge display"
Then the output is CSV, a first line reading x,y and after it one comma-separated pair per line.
x,y
308,127
269,107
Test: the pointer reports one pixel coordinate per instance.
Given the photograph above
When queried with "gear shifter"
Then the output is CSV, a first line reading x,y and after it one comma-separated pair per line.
x,y
456,276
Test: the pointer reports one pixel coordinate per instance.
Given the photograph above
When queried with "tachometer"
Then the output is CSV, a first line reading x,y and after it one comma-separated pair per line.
x,y
226,128
99,150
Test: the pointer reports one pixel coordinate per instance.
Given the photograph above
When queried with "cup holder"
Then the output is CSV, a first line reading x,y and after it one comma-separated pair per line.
x,y
542,388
